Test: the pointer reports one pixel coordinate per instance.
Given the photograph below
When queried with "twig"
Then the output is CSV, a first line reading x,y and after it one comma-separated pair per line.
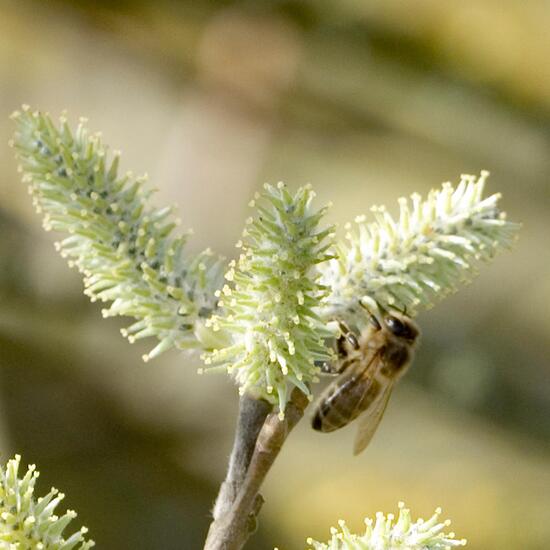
x,y
231,530
252,415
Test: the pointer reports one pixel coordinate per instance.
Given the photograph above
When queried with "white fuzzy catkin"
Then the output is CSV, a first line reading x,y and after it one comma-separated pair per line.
x,y
123,247
386,533
412,261
270,321
28,522
272,296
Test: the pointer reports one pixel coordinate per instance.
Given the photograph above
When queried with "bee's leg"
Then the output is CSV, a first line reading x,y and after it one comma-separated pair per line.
x,y
327,369
347,336
333,369
346,340
341,348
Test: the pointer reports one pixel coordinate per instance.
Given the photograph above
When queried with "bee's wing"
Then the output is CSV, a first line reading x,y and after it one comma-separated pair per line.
x,y
369,420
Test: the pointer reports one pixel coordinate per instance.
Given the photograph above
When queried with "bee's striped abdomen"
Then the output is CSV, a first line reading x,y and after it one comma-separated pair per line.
x,y
344,402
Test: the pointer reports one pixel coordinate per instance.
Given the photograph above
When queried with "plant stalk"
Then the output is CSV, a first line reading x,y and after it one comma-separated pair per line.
x,y
235,518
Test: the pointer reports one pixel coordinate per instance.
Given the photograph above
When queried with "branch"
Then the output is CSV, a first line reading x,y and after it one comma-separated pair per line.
x,y
231,531
252,415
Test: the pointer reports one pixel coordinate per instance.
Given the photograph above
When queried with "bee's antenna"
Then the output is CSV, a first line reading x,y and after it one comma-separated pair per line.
x,y
402,311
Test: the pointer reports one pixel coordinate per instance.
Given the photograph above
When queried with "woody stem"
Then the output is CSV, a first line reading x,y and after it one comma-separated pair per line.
x,y
239,501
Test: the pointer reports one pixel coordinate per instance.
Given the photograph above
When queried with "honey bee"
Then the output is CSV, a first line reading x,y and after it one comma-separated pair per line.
x,y
368,368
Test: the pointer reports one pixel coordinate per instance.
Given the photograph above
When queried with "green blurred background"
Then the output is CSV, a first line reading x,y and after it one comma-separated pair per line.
x,y
367,100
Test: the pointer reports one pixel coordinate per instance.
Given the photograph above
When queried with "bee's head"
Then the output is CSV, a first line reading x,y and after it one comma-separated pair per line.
x,y
397,323
401,326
